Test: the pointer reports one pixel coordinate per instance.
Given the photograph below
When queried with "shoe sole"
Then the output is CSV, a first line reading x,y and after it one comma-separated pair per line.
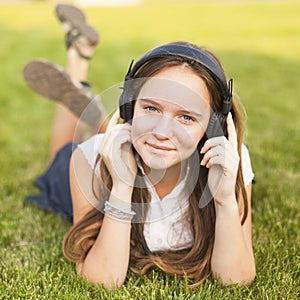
x,y
77,20
66,12
52,82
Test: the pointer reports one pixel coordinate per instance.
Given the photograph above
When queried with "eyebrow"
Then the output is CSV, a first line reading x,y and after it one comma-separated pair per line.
x,y
182,111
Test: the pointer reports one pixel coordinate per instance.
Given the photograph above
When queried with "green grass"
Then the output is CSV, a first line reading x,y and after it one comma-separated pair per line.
x,y
259,45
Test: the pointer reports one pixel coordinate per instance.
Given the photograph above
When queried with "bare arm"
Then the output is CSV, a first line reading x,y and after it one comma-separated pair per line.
x,y
232,258
107,261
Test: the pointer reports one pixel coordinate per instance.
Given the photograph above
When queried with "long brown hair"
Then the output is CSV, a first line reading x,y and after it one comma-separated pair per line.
x,y
193,262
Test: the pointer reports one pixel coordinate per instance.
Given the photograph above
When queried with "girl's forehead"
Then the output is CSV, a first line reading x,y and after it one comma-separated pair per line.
x,y
188,94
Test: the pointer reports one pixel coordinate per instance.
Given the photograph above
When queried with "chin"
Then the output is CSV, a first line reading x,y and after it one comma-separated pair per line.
x,y
159,162
157,159
155,162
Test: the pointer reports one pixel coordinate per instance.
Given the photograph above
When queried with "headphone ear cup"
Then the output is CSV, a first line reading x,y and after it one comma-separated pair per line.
x,y
217,125
126,102
124,107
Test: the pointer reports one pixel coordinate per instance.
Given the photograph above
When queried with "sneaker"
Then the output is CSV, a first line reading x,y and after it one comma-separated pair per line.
x,y
76,27
52,82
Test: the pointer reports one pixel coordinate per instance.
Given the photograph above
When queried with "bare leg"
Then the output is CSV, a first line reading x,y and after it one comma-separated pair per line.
x,y
77,112
66,126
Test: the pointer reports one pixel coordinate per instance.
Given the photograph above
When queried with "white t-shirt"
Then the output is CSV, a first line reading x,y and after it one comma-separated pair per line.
x,y
164,228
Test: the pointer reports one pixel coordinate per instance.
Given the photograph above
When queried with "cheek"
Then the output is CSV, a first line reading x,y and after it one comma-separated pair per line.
x,y
189,139
141,125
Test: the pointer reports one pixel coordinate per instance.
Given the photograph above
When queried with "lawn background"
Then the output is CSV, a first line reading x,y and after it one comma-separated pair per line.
x,y
259,45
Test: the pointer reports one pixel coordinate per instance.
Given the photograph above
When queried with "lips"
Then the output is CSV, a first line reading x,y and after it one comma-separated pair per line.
x,y
159,147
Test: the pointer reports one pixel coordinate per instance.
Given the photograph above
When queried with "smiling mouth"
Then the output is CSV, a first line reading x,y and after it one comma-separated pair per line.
x,y
158,147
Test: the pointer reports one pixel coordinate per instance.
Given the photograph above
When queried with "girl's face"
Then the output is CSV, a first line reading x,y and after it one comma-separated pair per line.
x,y
170,117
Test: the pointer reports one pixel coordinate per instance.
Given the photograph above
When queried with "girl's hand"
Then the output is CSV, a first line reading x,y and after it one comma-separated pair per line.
x,y
222,159
116,152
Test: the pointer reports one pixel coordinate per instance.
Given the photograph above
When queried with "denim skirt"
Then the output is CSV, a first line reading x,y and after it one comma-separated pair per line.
x,y
54,185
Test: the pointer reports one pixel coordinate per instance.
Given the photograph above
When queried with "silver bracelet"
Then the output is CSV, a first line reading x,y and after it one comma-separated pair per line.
x,y
117,212
114,207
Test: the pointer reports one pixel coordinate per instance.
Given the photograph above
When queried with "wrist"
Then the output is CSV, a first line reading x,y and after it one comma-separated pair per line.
x,y
119,213
228,202
118,206
121,193
123,184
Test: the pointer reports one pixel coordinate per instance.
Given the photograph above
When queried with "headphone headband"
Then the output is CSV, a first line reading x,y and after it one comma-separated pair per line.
x,y
176,50
186,52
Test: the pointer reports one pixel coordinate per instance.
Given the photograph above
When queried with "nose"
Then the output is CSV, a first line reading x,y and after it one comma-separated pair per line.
x,y
163,128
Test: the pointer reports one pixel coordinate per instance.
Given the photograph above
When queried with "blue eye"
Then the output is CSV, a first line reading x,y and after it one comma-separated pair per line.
x,y
150,108
187,118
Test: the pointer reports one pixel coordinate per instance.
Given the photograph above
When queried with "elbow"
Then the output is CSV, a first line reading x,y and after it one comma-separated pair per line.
x,y
249,280
113,284
245,279
109,285
109,281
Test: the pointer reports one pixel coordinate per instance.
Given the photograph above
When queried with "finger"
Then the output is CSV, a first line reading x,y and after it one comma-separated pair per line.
x,y
112,148
118,128
232,137
216,160
213,152
213,142
114,119
115,135
116,132
119,144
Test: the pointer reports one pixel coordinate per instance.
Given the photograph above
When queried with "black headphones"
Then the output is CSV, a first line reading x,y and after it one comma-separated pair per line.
x,y
217,123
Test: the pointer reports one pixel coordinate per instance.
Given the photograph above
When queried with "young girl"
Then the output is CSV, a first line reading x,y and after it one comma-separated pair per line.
x,y
163,186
